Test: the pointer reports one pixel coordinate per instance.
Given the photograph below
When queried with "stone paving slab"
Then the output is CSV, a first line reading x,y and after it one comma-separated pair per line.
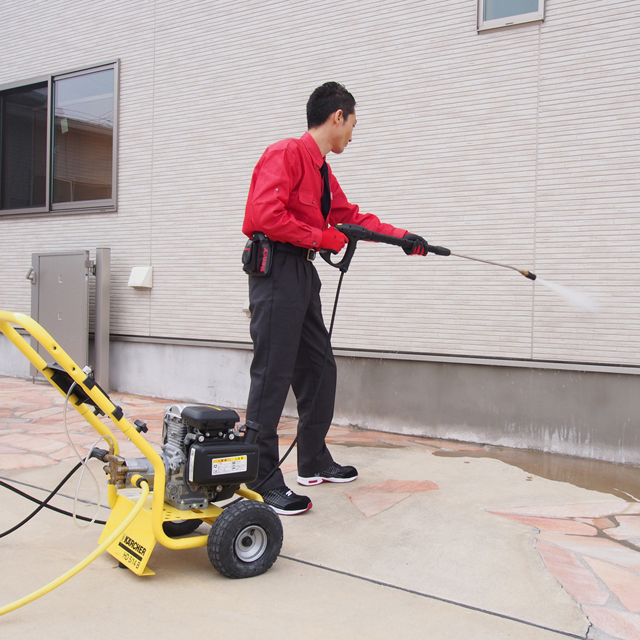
x,y
513,558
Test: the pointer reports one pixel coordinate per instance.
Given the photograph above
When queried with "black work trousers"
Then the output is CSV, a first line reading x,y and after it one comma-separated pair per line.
x,y
290,341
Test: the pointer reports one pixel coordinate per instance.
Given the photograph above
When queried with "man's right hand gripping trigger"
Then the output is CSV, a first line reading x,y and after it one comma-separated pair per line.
x,y
333,240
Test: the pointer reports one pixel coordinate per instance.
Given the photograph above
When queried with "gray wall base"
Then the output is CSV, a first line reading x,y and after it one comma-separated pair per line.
x,y
182,373
12,362
586,414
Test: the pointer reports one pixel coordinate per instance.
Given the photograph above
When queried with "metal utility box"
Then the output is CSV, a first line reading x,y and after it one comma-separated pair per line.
x,y
60,300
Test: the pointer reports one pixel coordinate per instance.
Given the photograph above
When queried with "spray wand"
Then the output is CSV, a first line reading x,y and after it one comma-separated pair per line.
x,y
355,233
524,272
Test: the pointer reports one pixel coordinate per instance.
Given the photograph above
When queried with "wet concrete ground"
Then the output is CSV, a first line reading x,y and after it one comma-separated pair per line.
x,y
547,545
619,480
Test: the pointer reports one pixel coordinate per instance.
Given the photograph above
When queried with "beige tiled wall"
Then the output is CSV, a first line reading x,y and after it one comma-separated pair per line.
x,y
517,145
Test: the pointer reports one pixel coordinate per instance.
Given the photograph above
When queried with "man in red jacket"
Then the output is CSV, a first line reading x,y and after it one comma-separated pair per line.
x,y
295,200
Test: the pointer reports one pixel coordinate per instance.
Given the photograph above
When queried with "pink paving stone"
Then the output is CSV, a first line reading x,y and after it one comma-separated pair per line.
x,y
5,449
619,624
356,440
21,406
45,413
370,504
23,461
458,446
68,453
572,575
287,467
552,525
581,510
7,431
337,429
286,430
32,443
624,583
422,442
129,450
51,430
76,438
400,486
599,523
380,435
600,548
58,419
629,528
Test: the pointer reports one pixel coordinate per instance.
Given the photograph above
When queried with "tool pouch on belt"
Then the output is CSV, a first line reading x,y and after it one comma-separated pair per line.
x,y
257,255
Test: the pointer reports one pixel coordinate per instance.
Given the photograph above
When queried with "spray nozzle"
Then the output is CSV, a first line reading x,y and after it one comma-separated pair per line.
x,y
528,274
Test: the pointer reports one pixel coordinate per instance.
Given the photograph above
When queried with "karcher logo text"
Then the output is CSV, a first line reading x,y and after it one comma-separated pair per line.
x,y
134,546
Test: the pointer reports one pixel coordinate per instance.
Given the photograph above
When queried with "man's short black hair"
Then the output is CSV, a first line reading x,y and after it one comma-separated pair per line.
x,y
327,99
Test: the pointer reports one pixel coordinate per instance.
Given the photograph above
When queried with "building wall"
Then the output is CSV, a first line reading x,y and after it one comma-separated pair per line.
x,y
518,145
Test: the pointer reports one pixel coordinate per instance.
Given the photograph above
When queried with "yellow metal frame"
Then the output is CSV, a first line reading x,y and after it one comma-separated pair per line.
x,y
146,528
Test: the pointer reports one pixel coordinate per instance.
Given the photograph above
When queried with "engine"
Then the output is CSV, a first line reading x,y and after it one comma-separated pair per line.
x,y
205,456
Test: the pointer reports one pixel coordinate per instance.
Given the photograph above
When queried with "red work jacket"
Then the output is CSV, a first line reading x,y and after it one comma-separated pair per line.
x,y
285,192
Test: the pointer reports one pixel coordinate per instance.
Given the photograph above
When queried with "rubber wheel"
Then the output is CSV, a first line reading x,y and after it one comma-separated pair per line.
x,y
177,528
245,540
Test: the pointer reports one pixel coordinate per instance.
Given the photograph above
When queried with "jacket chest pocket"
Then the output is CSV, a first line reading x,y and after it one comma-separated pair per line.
x,y
307,198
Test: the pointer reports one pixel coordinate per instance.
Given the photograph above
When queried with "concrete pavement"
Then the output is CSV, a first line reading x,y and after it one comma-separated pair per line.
x,y
420,546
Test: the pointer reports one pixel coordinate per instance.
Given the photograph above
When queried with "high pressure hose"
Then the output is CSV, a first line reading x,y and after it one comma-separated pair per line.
x,y
42,504
142,483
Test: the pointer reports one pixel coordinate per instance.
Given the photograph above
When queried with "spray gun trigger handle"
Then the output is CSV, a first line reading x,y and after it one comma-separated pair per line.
x,y
343,265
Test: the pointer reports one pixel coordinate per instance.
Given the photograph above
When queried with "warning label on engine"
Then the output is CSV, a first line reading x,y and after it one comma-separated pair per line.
x,y
222,466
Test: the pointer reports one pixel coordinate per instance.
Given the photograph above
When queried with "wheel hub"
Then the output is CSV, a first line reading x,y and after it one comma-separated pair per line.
x,y
250,543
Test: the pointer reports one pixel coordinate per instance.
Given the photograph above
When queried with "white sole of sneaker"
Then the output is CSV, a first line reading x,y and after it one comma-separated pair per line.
x,y
308,482
283,512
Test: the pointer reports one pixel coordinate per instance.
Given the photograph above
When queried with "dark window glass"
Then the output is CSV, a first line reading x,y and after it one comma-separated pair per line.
x,y
495,9
83,137
23,158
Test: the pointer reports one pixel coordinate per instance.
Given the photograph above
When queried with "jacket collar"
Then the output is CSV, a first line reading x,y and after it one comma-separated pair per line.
x,y
313,149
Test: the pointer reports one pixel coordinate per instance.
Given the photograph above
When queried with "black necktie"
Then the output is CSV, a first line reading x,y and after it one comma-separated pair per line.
x,y
325,201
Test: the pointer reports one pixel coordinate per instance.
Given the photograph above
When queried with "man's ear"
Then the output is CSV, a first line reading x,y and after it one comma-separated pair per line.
x,y
338,116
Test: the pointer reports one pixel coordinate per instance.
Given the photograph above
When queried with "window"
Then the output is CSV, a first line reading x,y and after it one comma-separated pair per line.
x,y
503,13
58,142
23,176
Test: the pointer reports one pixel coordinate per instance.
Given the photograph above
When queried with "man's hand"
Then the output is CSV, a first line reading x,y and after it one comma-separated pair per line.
x,y
419,247
333,240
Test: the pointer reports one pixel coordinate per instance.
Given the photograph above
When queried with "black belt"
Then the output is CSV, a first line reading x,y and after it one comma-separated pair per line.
x,y
308,254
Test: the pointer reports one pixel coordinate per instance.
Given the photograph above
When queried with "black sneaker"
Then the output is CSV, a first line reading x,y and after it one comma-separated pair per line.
x,y
283,501
335,473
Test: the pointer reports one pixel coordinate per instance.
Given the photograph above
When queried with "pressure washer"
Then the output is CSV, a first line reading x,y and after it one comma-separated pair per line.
x,y
206,457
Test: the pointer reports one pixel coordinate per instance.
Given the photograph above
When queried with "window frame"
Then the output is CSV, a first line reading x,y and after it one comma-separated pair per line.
x,y
107,204
508,21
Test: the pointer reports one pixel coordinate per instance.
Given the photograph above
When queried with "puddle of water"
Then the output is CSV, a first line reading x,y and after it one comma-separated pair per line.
x,y
620,480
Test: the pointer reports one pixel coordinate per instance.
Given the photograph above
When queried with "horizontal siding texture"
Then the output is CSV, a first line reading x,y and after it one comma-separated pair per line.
x,y
518,145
